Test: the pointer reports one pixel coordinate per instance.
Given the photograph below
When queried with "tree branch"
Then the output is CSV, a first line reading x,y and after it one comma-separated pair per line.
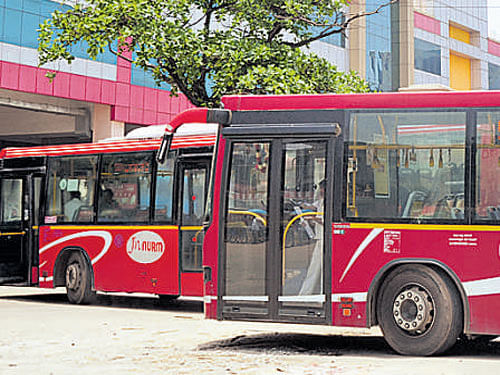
x,y
210,11
341,27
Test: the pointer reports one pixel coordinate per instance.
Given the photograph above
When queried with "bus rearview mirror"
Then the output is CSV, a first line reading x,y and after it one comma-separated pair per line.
x,y
161,155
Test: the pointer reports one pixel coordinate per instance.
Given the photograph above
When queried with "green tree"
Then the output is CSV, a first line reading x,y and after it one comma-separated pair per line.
x,y
209,48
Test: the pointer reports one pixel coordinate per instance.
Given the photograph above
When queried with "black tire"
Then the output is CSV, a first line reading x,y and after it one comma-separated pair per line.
x,y
78,280
419,311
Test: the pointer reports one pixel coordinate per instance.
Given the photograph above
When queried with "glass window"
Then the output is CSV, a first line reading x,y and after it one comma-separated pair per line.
x,y
337,39
379,55
70,189
406,165
30,25
494,77
164,189
246,220
302,205
14,4
125,188
193,204
12,26
12,199
488,166
427,57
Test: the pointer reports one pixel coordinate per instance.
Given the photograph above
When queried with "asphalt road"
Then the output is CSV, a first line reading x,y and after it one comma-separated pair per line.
x,y
42,334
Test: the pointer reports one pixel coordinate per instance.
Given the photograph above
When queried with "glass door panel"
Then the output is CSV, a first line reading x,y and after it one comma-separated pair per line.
x,y
245,228
13,214
194,183
302,241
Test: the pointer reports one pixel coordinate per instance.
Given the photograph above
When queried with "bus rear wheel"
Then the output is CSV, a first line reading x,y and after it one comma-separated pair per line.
x,y
419,311
78,280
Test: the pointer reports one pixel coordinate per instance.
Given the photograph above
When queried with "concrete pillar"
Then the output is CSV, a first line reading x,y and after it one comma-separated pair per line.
x,y
476,82
102,126
357,39
407,44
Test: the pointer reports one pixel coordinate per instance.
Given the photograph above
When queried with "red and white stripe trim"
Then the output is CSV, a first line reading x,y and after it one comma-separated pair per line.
x,y
107,147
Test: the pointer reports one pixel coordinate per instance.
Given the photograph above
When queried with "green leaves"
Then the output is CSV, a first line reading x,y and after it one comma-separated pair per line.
x,y
208,48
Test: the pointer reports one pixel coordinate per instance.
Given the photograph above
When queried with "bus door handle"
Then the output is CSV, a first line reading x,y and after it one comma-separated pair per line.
x,y
206,223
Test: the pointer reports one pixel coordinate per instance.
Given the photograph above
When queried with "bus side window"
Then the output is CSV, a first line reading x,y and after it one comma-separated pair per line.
x,y
11,200
487,167
164,189
70,189
125,185
407,165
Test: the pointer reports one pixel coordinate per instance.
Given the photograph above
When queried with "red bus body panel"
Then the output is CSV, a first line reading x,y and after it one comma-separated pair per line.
x,y
470,255
110,250
211,239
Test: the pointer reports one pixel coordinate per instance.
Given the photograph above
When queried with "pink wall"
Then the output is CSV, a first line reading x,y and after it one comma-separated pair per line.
x,y
494,47
427,23
130,103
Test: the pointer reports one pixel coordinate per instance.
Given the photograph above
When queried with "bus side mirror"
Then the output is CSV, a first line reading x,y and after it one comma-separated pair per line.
x,y
161,155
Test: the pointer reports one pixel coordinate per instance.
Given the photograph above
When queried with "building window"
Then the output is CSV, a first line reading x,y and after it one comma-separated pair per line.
x,y
494,77
379,56
337,39
460,34
427,57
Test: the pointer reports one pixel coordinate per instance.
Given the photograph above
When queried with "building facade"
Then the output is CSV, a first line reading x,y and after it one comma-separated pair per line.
x,y
86,101
412,44
416,44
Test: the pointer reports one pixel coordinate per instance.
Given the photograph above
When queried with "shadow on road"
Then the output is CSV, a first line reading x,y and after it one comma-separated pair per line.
x,y
108,300
336,345
292,343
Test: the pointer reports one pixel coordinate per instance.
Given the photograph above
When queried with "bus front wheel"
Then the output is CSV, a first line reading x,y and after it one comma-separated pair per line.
x,y
419,311
78,280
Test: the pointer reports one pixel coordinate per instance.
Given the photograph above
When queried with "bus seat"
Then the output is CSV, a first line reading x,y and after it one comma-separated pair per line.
x,y
141,214
457,213
493,213
83,214
414,204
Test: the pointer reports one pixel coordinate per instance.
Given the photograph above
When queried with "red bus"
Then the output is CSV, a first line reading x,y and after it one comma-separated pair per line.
x,y
106,216
358,210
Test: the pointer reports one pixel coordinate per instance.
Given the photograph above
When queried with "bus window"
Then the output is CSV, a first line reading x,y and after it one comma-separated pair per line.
x,y
125,185
406,165
246,234
488,166
164,189
11,194
70,191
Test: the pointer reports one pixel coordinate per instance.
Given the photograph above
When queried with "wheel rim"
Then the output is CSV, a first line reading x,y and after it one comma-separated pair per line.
x,y
73,278
413,310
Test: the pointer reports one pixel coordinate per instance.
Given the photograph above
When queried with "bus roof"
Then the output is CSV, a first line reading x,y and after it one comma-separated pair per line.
x,y
122,145
157,131
396,100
